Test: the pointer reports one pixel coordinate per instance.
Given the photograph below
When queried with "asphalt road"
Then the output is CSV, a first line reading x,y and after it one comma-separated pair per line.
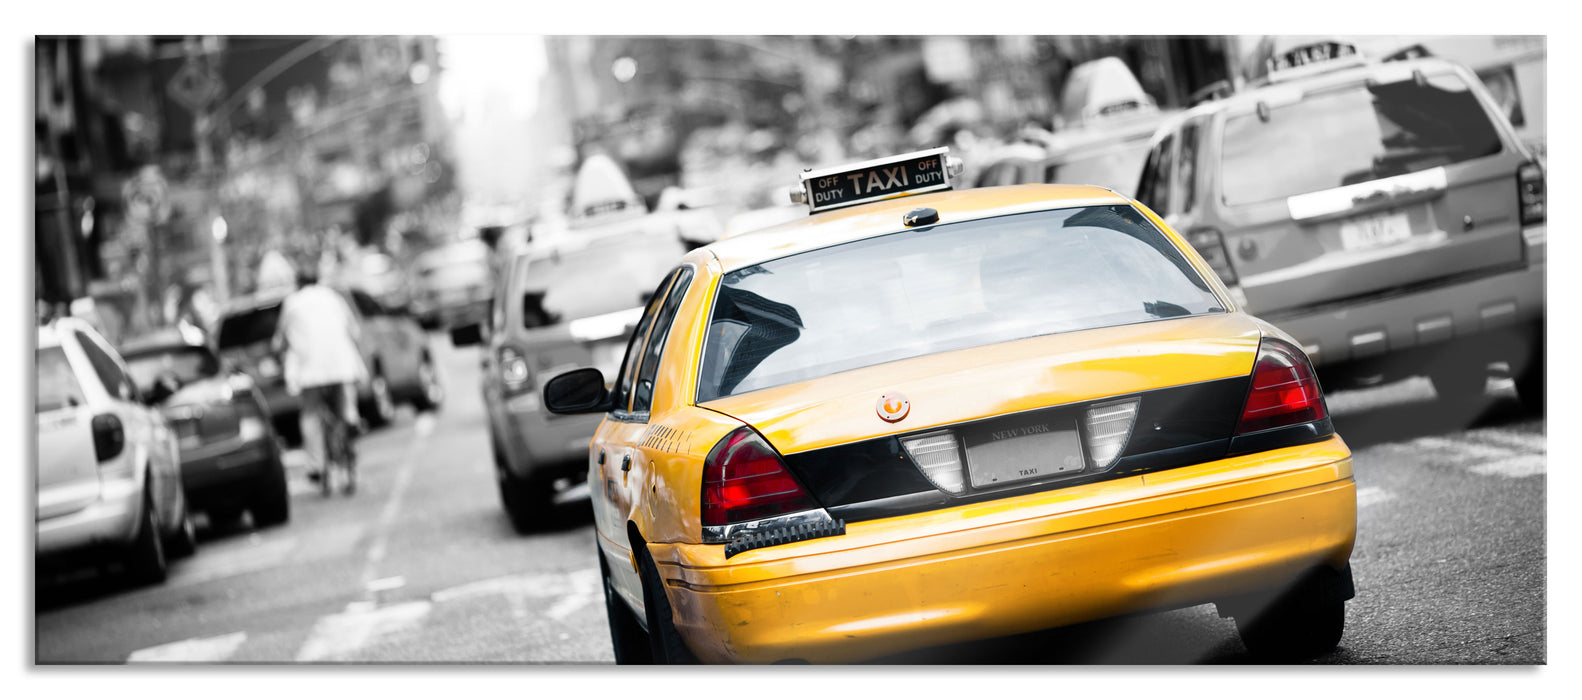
x,y
421,566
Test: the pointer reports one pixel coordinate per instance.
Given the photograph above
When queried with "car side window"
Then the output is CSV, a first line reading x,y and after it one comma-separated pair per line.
x,y
366,305
109,371
634,347
1154,188
643,390
1186,167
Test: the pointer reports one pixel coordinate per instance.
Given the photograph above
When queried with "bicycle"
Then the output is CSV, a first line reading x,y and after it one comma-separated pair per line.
x,y
329,404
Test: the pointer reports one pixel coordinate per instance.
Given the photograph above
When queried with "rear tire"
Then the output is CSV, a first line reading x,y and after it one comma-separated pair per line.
x,y
527,502
626,636
1300,624
184,543
664,642
379,410
272,506
1530,379
430,392
145,562
1459,380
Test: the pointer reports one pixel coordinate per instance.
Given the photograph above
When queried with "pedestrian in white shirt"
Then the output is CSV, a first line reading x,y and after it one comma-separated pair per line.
x,y
321,360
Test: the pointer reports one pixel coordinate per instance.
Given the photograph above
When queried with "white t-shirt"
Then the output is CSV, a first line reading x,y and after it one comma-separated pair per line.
x,y
321,339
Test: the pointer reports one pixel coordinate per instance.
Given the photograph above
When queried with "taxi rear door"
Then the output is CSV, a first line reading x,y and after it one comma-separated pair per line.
x,y
618,467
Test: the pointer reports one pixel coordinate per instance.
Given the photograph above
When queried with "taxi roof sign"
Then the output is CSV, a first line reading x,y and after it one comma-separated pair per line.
x,y
1289,62
873,180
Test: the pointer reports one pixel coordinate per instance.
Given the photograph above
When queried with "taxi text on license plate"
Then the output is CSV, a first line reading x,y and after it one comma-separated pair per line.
x,y
1374,231
1023,452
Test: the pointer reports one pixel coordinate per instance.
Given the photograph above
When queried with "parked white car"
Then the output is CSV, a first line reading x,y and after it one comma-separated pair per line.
x,y
109,473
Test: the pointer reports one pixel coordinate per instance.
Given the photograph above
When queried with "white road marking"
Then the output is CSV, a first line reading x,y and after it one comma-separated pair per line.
x,y
1524,442
1371,495
571,591
387,584
1514,467
201,650
424,424
586,588
334,637
1462,451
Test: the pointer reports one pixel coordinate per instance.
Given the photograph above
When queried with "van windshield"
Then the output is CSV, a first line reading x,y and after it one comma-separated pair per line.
x,y
1355,134
609,274
955,286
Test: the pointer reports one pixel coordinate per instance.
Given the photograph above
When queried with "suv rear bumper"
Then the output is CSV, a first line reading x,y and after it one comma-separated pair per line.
x,y
1205,533
1422,317
539,444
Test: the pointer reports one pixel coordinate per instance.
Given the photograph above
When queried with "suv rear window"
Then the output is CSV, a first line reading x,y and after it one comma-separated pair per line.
x,y
248,327
611,274
956,286
1353,134
57,385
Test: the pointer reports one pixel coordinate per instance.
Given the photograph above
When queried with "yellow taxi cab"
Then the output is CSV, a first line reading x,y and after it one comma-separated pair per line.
x,y
920,416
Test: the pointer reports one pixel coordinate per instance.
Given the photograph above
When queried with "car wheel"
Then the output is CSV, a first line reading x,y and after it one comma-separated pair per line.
x,y
528,503
272,505
430,392
145,562
1300,624
225,516
1459,382
664,641
626,636
1530,380
380,409
185,542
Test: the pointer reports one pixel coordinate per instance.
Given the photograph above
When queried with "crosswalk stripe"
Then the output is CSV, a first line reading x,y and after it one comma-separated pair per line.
x,y
334,637
1514,467
1463,450
1370,495
1525,442
202,650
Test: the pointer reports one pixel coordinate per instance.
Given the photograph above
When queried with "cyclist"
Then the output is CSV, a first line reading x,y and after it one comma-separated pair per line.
x,y
322,363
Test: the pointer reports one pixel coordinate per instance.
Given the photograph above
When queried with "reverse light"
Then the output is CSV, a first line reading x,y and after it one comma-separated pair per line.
x,y
1531,193
513,370
744,479
1107,427
1284,390
1210,244
939,456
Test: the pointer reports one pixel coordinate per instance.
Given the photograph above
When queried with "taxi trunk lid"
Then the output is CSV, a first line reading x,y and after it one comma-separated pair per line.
x,y
949,388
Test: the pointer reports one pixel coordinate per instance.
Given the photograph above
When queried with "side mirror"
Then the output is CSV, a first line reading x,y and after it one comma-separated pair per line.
x,y
578,391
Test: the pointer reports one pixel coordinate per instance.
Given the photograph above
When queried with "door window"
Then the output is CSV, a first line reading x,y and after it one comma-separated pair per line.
x,y
1186,166
1152,188
115,381
643,390
634,347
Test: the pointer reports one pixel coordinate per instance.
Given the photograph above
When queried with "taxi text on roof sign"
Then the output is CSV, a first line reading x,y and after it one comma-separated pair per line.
x,y
873,180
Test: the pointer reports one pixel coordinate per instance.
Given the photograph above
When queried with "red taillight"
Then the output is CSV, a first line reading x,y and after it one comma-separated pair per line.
x,y
1211,245
108,436
1284,390
1530,193
743,479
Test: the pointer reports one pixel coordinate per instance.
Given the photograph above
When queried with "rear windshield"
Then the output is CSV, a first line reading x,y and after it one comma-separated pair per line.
x,y
57,386
248,327
1351,135
611,274
188,364
957,286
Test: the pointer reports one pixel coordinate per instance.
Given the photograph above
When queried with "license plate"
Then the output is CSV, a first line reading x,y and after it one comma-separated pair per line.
x,y
1026,452
1374,231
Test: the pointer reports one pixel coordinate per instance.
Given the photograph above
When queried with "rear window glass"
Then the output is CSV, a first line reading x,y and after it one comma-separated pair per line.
x,y
611,274
1351,135
248,327
187,364
57,386
957,286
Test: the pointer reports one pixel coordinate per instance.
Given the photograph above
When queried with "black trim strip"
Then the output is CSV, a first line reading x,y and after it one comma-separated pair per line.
x,y
1287,436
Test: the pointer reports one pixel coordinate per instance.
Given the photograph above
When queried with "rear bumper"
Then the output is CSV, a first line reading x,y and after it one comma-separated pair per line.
x,y
1377,327
539,444
226,474
1176,538
459,315
110,522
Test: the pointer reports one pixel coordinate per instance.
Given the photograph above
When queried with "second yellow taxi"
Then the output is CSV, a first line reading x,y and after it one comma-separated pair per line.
x,y
920,417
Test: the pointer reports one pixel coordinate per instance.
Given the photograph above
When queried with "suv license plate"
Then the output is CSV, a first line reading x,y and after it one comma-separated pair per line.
x,y
1023,453
1373,231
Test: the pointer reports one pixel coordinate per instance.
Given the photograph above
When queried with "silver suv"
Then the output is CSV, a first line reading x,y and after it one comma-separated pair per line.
x,y
109,473
1383,213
